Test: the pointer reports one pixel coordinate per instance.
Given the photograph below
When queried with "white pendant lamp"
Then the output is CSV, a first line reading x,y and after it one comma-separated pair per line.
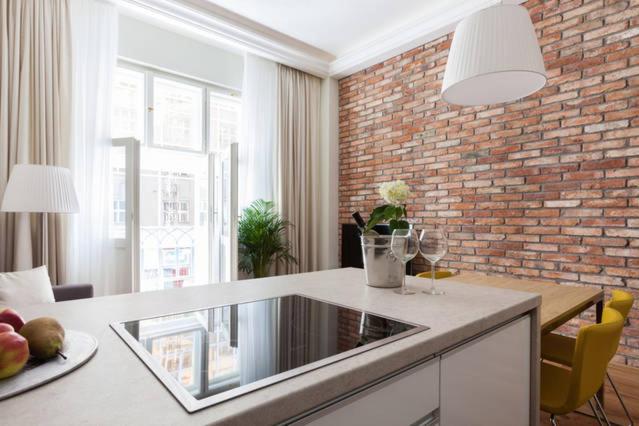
x,y
495,57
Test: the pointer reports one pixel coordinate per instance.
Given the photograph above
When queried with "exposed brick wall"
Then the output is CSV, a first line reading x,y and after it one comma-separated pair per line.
x,y
543,188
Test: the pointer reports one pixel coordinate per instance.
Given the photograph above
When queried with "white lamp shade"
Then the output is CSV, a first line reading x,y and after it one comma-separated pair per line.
x,y
40,189
495,57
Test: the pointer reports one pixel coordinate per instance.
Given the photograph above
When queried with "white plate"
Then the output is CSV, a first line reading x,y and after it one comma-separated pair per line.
x,y
78,347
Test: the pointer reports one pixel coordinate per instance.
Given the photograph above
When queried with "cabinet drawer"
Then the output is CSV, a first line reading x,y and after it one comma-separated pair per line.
x,y
404,399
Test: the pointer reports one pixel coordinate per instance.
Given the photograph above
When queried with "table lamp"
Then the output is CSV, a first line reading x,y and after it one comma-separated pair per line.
x,y
40,189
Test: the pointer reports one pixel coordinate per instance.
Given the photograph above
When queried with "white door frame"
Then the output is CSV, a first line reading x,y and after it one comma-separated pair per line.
x,y
217,216
214,247
130,243
233,202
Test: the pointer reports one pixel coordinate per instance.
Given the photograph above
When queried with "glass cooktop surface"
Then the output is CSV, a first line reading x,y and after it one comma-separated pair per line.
x,y
211,355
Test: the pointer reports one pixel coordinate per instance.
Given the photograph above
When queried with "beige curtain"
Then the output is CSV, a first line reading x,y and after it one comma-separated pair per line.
x,y
299,139
35,61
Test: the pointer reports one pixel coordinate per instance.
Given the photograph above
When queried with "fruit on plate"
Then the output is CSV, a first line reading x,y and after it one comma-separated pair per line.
x,y
4,327
11,317
14,353
45,336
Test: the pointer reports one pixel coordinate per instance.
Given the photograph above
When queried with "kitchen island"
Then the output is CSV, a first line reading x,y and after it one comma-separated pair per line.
x,y
476,362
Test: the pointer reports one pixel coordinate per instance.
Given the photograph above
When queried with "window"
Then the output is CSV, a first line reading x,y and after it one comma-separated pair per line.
x,y
117,226
224,124
177,114
119,212
178,122
177,107
127,117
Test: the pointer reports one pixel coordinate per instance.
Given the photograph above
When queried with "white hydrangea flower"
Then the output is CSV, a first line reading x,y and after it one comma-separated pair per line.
x,y
395,193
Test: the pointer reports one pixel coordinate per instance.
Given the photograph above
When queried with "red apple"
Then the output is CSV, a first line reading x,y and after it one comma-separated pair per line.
x,y
11,317
4,327
14,353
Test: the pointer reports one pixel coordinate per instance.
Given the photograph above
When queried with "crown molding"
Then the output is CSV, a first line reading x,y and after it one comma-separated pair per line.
x,y
232,31
227,29
405,38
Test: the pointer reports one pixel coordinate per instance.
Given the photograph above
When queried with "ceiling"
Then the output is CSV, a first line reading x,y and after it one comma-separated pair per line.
x,y
323,37
337,26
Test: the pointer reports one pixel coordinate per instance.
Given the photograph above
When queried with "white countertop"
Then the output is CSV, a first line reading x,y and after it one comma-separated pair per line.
x,y
116,388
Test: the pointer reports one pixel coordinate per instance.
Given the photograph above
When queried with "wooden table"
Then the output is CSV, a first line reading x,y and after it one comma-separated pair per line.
x,y
559,303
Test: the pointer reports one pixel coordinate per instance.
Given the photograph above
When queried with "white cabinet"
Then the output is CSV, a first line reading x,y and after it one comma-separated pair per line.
x,y
407,398
487,381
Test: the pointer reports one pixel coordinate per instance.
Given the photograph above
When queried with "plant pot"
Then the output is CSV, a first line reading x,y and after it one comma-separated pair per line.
x,y
381,266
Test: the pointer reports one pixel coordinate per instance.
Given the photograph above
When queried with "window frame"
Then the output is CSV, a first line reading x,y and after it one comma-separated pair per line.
x,y
207,89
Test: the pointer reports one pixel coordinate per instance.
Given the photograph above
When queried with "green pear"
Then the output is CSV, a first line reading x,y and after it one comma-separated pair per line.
x,y
45,336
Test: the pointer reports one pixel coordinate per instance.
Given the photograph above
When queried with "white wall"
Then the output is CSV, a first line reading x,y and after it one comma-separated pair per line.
x,y
158,47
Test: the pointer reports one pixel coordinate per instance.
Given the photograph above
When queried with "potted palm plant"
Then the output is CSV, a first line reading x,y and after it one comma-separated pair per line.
x,y
261,239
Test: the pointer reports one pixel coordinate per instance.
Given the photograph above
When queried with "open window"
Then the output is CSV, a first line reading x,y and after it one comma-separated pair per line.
x,y
185,197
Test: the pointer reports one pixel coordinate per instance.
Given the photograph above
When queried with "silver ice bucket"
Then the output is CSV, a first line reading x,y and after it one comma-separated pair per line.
x,y
381,266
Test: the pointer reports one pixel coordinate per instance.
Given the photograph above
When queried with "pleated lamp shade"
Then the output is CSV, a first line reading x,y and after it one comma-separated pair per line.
x,y
40,189
495,57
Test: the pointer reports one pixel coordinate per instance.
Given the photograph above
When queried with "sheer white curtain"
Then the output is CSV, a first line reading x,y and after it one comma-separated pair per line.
x,y
94,26
258,171
258,159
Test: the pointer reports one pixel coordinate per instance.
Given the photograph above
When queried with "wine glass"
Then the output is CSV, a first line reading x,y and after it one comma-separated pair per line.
x,y
404,246
433,245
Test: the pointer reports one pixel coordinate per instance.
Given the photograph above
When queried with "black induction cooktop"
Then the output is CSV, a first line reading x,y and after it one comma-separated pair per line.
x,y
211,355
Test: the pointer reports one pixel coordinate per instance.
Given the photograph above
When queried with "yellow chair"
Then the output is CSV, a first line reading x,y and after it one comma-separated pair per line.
x,y
560,349
438,274
563,389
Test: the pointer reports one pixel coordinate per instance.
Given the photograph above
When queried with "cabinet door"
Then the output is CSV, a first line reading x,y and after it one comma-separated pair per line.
x,y
405,399
487,381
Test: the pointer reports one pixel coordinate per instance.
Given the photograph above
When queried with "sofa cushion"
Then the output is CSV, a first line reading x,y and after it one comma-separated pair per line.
x,y
25,287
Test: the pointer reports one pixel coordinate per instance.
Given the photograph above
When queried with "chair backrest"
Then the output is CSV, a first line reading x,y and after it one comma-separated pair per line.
x,y
621,301
592,353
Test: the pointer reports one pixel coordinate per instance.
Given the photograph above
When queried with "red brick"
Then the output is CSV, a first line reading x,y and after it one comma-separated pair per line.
x,y
629,233
559,239
622,252
604,164
562,203
581,231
